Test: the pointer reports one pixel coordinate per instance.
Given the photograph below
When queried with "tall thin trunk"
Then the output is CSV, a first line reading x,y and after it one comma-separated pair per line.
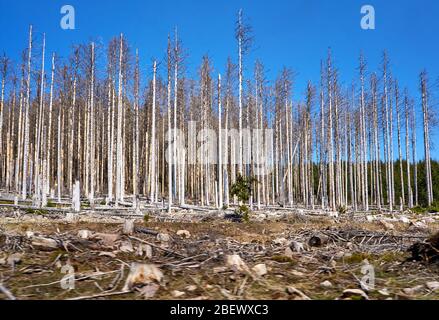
x,y
426,116
331,139
220,151
415,155
153,138
170,195
92,139
136,161
407,150
26,117
398,124
4,72
322,144
364,141
240,61
388,137
72,135
376,142
59,152
39,126
119,166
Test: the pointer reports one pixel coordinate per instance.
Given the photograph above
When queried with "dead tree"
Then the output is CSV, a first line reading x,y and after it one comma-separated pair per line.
x,y
426,118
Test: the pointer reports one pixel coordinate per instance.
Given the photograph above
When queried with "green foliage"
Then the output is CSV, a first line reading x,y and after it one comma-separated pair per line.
x,y
85,205
422,184
244,212
432,209
38,212
419,210
243,189
146,218
50,204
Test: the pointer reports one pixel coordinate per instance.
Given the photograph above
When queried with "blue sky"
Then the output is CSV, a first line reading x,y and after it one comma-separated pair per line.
x,y
293,33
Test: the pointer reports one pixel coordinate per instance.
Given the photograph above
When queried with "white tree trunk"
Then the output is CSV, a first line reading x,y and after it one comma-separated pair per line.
x,y
169,131
152,164
407,152
220,151
119,167
92,127
26,117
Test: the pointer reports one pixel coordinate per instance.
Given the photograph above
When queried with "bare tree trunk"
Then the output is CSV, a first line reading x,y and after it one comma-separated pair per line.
x,y
39,125
58,170
323,146
287,132
10,137
331,139
176,176
119,167
92,139
257,147
407,150
376,141
242,35
26,117
18,162
220,151
169,131
136,134
110,125
426,116
415,155
392,158
398,121
4,72
72,134
365,183
388,137
153,138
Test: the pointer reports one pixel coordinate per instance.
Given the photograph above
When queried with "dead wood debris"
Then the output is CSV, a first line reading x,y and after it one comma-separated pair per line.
x,y
190,259
426,251
7,293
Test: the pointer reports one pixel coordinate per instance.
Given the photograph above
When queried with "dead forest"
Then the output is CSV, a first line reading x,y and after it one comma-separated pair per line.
x,y
88,120
104,163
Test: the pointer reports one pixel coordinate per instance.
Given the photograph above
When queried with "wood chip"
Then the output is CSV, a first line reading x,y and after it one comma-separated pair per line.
x,y
298,295
143,274
358,293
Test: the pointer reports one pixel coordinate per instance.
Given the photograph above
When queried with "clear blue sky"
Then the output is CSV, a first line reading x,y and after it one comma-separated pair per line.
x,y
294,33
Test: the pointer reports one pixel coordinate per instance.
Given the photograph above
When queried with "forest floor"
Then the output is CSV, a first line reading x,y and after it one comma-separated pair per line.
x,y
297,256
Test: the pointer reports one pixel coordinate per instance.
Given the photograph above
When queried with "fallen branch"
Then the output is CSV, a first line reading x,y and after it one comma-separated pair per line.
x,y
195,208
427,251
318,240
158,247
146,231
93,275
7,293
100,295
